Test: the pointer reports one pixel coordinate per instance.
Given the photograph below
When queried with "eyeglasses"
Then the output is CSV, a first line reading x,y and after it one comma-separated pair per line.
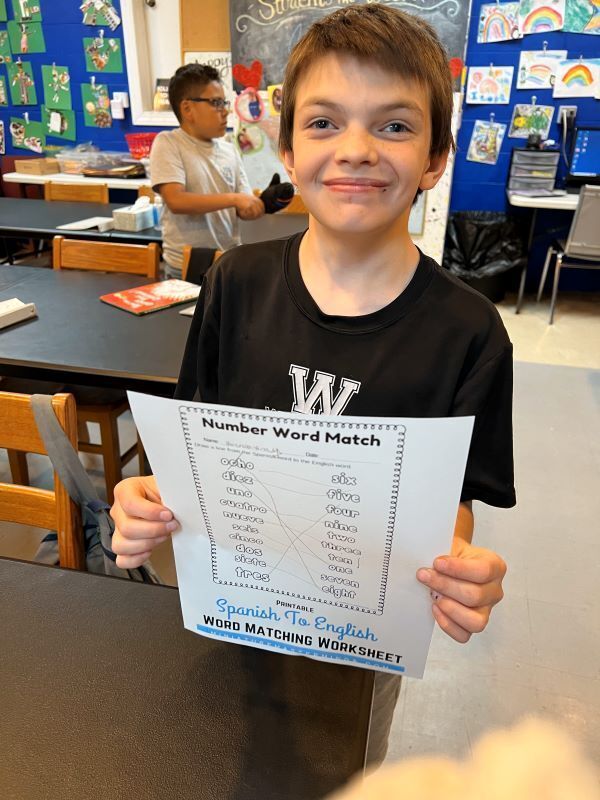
x,y
216,102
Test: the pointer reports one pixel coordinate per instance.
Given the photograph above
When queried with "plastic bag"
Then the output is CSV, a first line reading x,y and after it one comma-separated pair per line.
x,y
481,244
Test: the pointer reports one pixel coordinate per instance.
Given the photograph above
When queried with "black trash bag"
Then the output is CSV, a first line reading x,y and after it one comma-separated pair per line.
x,y
480,246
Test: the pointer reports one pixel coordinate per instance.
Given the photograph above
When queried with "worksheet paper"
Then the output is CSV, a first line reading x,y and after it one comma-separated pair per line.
x,y
302,533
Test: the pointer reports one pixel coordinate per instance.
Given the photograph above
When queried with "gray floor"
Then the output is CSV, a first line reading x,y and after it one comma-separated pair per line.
x,y
541,652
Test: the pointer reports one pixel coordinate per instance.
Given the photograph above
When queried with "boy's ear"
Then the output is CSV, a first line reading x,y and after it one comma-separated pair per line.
x,y
287,156
434,171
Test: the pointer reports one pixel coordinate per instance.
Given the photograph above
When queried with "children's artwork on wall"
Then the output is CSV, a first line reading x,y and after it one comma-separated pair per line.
x,y
537,68
577,78
3,92
486,141
27,135
59,122
100,12
489,84
103,55
582,16
57,86
3,16
5,53
96,105
27,10
2,139
541,16
498,22
249,139
249,106
26,37
529,118
275,98
22,86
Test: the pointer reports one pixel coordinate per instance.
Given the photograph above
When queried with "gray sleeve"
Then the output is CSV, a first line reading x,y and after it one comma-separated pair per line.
x,y
166,164
242,182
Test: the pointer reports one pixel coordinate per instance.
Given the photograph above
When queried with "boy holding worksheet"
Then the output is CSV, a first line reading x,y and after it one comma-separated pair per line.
x,y
350,317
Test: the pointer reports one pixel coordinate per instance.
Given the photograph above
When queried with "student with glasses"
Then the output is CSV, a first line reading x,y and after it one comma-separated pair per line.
x,y
199,176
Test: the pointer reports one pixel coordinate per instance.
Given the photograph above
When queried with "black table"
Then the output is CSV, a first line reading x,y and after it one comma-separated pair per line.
x,y
105,695
76,338
39,219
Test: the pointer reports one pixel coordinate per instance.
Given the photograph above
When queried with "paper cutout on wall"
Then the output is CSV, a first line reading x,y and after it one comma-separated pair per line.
x,y
249,106
577,78
100,12
249,139
2,139
582,16
248,76
59,122
57,86
275,98
102,54
537,68
5,53
96,105
26,37
541,16
489,84
27,10
27,135
486,141
3,92
22,86
528,118
3,15
498,22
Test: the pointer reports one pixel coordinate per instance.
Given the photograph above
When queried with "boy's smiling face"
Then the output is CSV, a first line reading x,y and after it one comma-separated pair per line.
x,y
361,142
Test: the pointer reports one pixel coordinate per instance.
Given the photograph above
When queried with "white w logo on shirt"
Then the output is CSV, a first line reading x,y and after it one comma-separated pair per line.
x,y
319,399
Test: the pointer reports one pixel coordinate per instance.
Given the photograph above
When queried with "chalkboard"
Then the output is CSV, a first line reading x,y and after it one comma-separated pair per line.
x,y
266,30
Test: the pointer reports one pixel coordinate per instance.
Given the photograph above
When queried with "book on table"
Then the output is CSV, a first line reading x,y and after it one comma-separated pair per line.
x,y
153,296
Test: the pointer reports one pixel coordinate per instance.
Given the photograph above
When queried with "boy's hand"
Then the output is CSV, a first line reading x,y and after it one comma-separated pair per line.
x,y
248,206
464,588
141,520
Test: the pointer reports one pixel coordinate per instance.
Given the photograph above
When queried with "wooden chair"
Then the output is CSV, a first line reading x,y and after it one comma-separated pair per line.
x,y
27,505
196,261
147,191
81,192
104,407
138,259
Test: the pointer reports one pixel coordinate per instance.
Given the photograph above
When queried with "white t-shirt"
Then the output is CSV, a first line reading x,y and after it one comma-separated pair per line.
x,y
202,168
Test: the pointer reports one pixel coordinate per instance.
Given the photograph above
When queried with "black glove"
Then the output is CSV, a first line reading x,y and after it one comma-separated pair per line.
x,y
277,195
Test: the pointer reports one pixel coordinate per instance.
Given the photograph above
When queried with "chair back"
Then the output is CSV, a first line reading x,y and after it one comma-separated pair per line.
x,y
584,236
80,192
137,259
27,505
196,262
147,191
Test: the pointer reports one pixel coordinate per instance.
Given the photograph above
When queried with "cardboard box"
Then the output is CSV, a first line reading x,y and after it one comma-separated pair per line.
x,y
37,166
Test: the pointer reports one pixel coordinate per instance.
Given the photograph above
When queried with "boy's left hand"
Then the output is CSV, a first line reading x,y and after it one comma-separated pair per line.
x,y
464,587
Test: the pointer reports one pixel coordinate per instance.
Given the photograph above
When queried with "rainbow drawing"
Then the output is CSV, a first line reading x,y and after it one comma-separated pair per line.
x,y
542,19
578,75
496,28
539,75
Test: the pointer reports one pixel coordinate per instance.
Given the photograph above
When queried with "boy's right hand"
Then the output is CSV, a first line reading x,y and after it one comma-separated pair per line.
x,y
141,521
248,206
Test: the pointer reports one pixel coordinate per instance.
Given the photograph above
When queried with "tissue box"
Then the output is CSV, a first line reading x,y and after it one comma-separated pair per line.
x,y
130,218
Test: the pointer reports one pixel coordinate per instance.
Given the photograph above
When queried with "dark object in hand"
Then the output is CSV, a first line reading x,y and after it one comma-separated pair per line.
x,y
277,195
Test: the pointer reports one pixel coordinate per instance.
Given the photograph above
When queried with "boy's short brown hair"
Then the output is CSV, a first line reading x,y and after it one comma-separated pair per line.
x,y
189,78
396,41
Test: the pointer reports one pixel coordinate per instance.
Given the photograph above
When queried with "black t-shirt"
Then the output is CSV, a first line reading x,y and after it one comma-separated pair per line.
x,y
259,340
